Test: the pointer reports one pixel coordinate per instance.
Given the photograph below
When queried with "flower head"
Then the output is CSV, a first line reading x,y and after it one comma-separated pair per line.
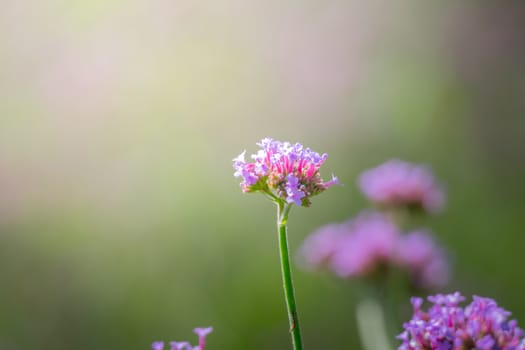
x,y
363,245
481,325
284,171
369,243
399,183
353,248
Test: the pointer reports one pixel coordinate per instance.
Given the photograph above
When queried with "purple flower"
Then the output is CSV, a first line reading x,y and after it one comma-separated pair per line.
x,y
481,325
399,183
425,261
293,191
180,345
486,343
370,241
283,171
175,345
157,345
202,333
360,246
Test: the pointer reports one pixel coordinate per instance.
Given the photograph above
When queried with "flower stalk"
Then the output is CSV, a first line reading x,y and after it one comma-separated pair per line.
x,y
289,294
371,325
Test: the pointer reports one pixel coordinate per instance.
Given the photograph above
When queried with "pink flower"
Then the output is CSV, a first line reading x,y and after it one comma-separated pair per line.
x,y
358,247
183,345
399,183
369,242
283,171
202,333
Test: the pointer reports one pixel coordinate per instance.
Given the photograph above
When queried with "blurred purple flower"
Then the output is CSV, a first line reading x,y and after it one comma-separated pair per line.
x,y
318,248
482,325
399,183
360,246
202,333
283,171
352,248
370,242
425,261
175,345
157,345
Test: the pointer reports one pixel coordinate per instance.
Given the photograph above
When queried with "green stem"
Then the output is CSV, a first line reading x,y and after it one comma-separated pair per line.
x,y
282,217
371,325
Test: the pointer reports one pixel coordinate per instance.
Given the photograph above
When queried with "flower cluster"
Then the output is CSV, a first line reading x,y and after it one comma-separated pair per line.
x,y
363,245
369,243
482,325
183,345
283,171
399,183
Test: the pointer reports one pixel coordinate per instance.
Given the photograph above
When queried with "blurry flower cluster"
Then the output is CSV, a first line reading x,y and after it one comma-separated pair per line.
x,y
399,183
183,345
481,325
373,242
283,171
362,246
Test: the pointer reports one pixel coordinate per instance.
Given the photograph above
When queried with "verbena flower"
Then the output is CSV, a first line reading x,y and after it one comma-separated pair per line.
x,y
283,171
175,345
202,333
361,246
425,261
481,325
370,243
399,183
352,248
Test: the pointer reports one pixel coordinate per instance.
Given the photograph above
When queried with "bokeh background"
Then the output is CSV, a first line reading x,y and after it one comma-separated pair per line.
x,y
120,220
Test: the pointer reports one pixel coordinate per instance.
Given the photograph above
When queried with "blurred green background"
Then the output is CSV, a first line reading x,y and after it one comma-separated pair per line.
x,y
120,220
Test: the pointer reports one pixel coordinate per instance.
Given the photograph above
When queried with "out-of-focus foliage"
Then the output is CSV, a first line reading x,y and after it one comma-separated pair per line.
x,y
120,220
